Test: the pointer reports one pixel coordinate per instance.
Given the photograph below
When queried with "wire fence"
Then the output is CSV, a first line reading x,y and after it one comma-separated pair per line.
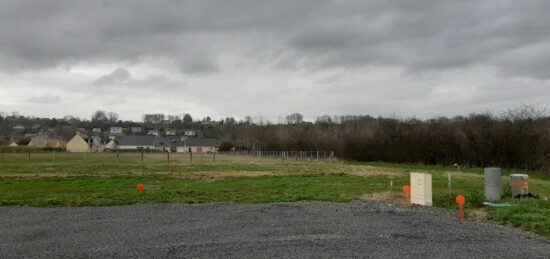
x,y
307,156
170,158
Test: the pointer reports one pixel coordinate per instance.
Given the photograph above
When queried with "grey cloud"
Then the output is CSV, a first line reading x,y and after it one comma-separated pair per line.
x,y
43,99
415,35
378,56
202,66
119,76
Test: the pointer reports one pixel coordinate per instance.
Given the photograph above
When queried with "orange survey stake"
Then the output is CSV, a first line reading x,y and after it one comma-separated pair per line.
x,y
140,187
461,200
407,191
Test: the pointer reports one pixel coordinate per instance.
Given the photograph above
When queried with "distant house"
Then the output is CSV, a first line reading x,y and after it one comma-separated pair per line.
x,y
19,127
170,132
145,142
96,130
41,141
137,130
153,132
197,145
190,133
116,130
43,132
78,144
111,145
96,144
81,143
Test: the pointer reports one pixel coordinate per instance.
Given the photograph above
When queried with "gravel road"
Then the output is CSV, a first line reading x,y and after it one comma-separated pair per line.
x,y
283,230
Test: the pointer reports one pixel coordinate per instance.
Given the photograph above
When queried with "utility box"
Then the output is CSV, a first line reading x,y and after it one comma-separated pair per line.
x,y
492,184
520,184
421,189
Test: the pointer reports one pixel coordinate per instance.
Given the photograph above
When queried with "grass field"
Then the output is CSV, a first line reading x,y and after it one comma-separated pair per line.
x,y
63,179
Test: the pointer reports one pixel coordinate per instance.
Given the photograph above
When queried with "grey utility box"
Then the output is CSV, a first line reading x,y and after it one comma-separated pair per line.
x,y
492,184
520,184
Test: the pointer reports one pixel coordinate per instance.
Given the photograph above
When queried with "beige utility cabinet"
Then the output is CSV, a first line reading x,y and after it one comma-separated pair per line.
x,y
421,189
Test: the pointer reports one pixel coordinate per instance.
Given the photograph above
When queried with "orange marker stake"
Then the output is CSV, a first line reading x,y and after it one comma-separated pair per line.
x,y
407,191
140,187
460,200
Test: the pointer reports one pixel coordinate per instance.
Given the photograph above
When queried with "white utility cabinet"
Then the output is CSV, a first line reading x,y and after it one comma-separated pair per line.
x,y
421,189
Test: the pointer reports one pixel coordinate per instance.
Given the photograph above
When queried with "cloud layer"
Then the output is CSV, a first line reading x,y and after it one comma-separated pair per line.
x,y
422,57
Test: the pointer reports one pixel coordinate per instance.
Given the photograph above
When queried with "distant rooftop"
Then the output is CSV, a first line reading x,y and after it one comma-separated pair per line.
x,y
148,140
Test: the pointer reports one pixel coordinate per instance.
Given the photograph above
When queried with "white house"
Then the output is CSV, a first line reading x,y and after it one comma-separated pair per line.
x,y
145,142
190,133
116,130
170,132
197,145
137,130
153,133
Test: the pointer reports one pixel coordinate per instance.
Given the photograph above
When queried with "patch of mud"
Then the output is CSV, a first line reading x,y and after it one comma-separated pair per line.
x,y
389,197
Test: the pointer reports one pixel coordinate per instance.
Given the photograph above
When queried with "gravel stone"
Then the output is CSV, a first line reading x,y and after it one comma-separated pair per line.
x,y
282,230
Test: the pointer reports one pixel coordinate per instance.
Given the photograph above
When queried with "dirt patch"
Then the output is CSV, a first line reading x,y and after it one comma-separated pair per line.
x,y
478,214
369,171
203,175
466,175
214,175
390,197
34,176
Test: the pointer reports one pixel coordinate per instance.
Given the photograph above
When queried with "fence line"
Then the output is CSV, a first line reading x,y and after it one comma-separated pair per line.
x,y
170,158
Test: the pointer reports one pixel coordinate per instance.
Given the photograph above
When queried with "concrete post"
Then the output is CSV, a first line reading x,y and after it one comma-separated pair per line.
x,y
492,184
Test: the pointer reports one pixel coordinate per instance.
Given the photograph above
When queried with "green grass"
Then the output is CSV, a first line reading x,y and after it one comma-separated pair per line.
x,y
529,214
101,179
86,191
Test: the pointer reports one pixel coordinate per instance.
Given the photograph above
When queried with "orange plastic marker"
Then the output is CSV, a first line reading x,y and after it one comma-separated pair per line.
x,y
461,200
140,187
407,191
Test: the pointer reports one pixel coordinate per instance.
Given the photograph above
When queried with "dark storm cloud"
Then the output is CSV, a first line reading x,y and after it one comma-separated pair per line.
x,y
415,35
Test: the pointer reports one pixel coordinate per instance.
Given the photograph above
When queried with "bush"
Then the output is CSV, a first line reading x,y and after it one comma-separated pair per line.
x,y
475,199
30,149
225,146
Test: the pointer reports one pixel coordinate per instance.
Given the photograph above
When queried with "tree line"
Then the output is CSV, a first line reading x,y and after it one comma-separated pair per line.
x,y
518,138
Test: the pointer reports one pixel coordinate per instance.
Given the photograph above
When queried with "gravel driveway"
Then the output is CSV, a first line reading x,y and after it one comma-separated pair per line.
x,y
283,230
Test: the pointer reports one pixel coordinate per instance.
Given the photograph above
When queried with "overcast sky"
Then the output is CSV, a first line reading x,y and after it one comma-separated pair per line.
x,y
234,58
